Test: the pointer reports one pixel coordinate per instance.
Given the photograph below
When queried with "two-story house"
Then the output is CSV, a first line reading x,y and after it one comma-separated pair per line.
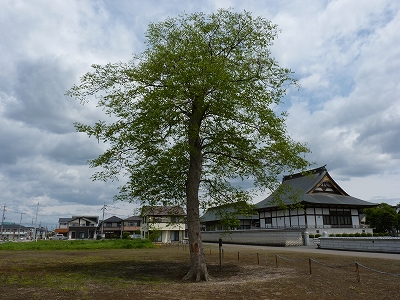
x,y
164,224
111,228
78,227
132,225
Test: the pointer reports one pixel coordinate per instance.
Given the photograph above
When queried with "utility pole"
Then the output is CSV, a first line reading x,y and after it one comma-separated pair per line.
x,y
102,223
37,210
19,230
31,234
2,221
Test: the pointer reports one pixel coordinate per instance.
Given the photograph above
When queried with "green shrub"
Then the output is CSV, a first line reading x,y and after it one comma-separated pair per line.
x,y
368,234
357,234
381,234
317,235
338,235
311,236
78,245
351,235
376,234
345,234
331,235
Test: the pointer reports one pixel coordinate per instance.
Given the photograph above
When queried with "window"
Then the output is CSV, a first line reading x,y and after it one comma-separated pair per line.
x,y
175,235
268,220
338,217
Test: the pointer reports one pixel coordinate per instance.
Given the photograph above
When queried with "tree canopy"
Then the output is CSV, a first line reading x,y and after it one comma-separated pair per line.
x,y
383,218
193,116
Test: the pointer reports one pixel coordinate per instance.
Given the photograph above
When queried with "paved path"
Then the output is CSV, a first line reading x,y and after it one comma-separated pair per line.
x,y
308,249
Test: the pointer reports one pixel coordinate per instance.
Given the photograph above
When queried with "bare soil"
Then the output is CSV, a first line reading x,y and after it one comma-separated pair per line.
x,y
245,273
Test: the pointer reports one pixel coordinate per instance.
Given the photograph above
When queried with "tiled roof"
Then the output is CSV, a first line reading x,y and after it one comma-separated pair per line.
x,y
304,185
133,218
113,219
163,211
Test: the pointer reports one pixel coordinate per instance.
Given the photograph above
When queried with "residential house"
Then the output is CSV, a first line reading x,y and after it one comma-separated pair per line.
x,y
164,224
132,225
78,227
324,205
13,231
235,216
111,227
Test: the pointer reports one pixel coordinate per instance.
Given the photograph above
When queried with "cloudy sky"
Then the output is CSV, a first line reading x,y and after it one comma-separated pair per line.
x,y
345,54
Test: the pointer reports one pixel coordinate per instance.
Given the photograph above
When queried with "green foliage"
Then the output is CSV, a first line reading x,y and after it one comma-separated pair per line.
x,y
154,234
202,95
311,236
382,218
317,235
78,245
228,214
125,235
338,235
358,234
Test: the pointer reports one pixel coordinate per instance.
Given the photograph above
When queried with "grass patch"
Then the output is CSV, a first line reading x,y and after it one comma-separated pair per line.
x,y
78,245
156,273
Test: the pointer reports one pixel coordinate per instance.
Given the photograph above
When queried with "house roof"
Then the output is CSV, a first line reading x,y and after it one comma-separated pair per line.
x,y
163,211
64,220
218,212
113,219
13,226
313,187
94,219
133,218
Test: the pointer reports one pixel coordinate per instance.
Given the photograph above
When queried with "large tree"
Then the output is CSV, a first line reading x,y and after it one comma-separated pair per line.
x,y
193,116
382,218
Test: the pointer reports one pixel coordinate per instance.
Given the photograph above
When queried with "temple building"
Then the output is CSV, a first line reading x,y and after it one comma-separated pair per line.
x,y
321,205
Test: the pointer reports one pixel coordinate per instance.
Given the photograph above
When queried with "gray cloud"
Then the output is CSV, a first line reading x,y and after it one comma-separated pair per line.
x,y
344,53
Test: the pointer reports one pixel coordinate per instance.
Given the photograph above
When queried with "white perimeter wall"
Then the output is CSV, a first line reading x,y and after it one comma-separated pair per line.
x,y
368,244
270,237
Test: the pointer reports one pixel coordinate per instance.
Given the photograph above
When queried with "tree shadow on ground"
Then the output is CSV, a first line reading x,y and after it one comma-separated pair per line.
x,y
140,271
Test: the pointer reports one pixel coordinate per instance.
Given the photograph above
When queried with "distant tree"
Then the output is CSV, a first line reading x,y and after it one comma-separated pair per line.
x,y
383,218
193,116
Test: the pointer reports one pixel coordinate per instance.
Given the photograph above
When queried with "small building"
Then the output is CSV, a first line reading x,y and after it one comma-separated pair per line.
x,y
132,225
13,231
111,228
78,227
323,205
164,224
235,216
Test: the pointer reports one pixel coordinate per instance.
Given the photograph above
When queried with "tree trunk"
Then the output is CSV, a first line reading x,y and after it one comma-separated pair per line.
x,y
198,268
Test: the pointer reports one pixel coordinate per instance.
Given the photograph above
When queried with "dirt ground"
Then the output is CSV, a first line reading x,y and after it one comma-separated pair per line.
x,y
245,273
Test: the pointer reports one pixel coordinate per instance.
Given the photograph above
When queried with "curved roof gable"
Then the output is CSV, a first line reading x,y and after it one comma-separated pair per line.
x,y
314,187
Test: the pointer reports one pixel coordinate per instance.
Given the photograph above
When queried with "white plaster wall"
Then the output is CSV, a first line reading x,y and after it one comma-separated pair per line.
x,y
295,221
368,244
320,220
355,220
318,211
310,221
256,237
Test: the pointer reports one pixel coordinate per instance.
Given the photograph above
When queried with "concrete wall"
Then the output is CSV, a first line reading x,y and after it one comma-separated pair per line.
x,y
329,230
368,244
268,237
